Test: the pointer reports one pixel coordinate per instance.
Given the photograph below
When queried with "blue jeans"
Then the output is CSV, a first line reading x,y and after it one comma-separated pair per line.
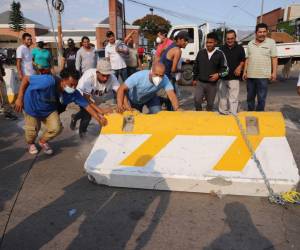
x,y
153,105
257,87
122,73
131,71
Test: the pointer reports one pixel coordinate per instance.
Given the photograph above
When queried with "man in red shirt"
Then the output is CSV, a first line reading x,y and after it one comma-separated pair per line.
x,y
163,43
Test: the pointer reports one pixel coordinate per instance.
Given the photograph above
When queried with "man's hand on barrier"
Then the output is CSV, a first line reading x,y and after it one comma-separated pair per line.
x,y
107,111
194,82
102,120
19,105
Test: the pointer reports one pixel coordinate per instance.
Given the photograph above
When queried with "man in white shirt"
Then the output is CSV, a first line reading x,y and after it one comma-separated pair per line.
x,y
94,82
24,57
114,50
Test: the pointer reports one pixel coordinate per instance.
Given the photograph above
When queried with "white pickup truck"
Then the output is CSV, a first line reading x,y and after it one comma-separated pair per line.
x,y
286,51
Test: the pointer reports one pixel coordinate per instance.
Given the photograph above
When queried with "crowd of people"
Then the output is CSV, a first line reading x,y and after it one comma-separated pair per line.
x,y
84,77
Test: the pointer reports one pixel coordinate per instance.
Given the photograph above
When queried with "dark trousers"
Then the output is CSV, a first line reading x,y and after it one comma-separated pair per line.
x,y
84,118
131,71
207,90
257,87
165,100
121,73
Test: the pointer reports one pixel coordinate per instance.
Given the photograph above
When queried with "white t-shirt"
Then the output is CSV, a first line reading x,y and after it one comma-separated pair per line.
x,y
116,60
88,84
298,83
24,53
211,53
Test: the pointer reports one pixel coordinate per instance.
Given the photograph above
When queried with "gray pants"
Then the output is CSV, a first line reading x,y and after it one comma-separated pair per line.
x,y
229,96
207,90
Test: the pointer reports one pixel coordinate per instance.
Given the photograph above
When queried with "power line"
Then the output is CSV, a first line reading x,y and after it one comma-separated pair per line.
x,y
182,15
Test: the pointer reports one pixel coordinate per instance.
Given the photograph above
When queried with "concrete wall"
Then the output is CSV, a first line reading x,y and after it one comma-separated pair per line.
x,y
293,12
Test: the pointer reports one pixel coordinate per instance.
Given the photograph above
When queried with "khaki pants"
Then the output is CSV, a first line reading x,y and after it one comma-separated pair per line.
x,y
32,126
4,104
229,96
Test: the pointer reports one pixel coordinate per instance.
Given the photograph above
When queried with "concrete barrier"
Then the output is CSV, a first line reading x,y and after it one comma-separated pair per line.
x,y
12,84
193,152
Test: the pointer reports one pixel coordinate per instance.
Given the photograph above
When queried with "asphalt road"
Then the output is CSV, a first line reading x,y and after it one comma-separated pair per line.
x,y
58,208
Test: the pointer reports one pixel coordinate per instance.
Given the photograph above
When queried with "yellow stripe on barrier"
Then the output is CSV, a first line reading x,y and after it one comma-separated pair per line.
x,y
164,126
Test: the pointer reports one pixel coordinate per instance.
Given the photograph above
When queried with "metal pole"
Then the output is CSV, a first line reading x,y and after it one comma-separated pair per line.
x,y
124,20
59,38
224,28
261,11
52,25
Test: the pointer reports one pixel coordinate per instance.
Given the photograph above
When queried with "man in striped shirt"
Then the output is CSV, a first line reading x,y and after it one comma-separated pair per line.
x,y
260,67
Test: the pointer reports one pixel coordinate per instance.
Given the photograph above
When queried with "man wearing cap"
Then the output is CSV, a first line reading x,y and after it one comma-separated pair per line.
x,y
170,58
115,50
93,83
69,56
41,56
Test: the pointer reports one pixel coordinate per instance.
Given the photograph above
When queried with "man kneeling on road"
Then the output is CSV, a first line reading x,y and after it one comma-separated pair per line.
x,y
94,82
141,89
41,96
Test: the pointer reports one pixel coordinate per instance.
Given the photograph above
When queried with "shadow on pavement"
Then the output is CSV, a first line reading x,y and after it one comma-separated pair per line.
x,y
243,234
292,114
106,216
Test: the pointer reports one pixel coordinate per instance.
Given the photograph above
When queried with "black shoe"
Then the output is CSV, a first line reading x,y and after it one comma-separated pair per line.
x,y
73,122
10,116
82,135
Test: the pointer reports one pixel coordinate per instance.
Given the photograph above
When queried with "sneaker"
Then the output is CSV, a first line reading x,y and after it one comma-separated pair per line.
x,y
73,122
46,148
32,149
10,116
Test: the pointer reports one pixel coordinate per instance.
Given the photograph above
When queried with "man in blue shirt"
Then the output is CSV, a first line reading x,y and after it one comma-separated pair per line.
x,y
141,89
41,97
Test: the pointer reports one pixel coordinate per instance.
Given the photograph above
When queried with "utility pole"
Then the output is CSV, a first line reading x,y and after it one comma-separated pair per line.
x,y
261,11
124,21
224,30
58,5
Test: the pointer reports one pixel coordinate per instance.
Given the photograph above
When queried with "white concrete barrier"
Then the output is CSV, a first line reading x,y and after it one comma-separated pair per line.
x,y
193,152
12,84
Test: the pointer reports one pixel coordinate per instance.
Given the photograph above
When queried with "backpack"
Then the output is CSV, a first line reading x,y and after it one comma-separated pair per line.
x,y
124,49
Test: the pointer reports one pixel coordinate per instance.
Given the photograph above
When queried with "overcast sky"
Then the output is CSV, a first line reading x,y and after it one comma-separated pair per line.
x,y
84,14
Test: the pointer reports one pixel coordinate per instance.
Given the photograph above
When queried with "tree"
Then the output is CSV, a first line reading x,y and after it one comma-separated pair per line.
x,y
16,18
150,24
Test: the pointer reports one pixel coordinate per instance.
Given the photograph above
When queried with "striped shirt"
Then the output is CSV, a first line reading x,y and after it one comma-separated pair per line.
x,y
260,58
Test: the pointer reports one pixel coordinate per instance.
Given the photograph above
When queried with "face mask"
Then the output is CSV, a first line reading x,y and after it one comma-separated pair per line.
x,y
156,80
69,90
158,40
